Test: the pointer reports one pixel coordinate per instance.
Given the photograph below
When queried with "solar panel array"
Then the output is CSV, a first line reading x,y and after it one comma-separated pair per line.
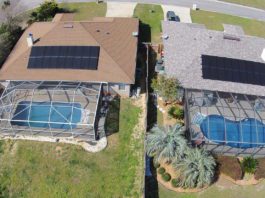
x,y
233,70
64,57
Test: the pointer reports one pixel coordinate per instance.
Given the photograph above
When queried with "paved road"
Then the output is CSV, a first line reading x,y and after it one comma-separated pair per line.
x,y
210,5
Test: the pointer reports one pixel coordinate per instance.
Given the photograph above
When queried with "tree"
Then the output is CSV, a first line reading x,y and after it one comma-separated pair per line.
x,y
196,169
166,87
10,32
166,144
45,12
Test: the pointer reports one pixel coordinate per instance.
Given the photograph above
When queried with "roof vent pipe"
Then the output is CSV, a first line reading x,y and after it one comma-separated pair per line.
x,y
30,40
263,55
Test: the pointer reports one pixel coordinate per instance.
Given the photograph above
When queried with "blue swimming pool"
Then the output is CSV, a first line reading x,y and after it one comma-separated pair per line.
x,y
39,111
250,130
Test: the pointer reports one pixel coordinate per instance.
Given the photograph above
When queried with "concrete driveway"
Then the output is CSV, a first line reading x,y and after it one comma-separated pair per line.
x,y
120,9
182,12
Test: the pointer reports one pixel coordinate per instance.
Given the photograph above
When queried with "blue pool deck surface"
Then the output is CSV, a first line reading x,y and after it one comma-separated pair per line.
x,y
39,111
250,131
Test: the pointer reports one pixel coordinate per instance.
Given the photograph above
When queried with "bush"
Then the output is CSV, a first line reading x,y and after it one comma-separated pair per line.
x,y
166,177
176,182
249,165
260,171
176,112
161,170
45,12
230,166
156,165
167,88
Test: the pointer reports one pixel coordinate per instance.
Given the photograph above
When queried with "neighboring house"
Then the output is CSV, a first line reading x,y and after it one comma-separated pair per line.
x,y
114,37
223,75
59,74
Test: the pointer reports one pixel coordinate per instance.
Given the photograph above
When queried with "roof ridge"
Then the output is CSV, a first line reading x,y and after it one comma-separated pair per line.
x,y
101,46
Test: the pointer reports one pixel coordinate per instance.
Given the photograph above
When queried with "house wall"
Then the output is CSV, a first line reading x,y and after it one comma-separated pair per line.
x,y
122,92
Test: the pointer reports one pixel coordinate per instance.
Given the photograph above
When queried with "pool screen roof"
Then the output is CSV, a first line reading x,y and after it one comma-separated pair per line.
x,y
64,57
233,70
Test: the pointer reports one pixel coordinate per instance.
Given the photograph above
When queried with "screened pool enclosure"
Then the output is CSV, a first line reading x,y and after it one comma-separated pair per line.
x,y
226,123
45,108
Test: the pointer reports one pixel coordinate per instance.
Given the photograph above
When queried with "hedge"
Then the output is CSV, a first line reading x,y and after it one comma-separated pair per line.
x,y
260,171
230,166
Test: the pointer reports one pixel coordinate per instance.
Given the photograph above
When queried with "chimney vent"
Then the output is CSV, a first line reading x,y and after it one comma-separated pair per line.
x,y
231,37
68,25
30,40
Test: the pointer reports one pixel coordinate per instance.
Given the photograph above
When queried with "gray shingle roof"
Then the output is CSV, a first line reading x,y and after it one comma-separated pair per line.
x,y
186,44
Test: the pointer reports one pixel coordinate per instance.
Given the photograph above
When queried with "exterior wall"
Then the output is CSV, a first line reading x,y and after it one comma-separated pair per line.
x,y
123,93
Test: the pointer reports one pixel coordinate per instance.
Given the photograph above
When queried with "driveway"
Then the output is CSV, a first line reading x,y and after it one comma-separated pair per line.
x,y
182,12
120,9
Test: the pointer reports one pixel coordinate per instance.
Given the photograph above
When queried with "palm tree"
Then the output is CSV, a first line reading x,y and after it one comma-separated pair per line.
x,y
196,169
166,143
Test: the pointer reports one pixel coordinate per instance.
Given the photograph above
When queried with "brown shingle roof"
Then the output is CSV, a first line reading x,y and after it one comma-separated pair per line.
x,y
118,50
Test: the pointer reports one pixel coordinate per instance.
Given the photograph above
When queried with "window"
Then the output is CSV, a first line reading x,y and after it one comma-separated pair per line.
x,y
122,87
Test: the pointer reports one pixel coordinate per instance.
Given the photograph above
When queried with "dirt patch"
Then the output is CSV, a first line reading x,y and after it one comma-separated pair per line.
x,y
167,121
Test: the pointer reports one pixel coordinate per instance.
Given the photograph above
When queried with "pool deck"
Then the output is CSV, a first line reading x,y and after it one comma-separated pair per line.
x,y
235,109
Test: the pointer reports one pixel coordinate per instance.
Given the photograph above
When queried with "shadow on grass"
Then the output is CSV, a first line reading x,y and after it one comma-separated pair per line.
x,y
152,110
112,118
144,32
151,185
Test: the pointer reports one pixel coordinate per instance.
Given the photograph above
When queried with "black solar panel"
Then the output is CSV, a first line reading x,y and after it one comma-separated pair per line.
x,y
233,70
64,57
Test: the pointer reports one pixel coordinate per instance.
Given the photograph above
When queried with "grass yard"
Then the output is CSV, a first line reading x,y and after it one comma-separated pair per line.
x,y
150,16
214,21
38,169
252,3
85,11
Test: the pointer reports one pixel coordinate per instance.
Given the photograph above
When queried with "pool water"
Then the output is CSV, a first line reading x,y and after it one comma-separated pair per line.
x,y
251,131
39,111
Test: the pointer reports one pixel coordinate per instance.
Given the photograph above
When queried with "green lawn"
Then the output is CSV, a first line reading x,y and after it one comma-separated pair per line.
x,y
214,21
252,3
85,11
38,169
232,191
150,16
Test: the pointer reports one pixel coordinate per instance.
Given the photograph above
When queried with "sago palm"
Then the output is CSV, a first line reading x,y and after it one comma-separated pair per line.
x,y
196,168
166,143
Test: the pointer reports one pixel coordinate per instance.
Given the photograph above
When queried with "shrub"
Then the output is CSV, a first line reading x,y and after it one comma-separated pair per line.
x,y
196,169
45,12
176,112
156,164
249,165
260,171
167,88
166,177
176,182
230,166
161,170
166,143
